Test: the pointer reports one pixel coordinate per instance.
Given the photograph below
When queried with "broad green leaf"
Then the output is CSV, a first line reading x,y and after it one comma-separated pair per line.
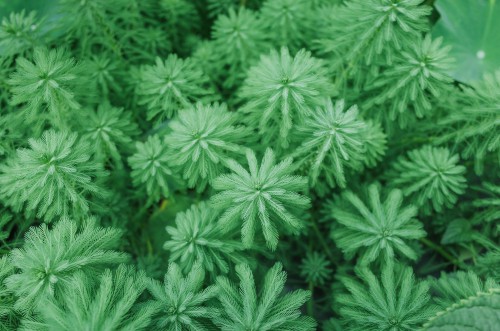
x,y
480,313
42,7
472,28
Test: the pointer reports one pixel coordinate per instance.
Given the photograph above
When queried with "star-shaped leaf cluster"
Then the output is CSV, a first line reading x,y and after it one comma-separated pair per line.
x,y
268,194
245,309
379,231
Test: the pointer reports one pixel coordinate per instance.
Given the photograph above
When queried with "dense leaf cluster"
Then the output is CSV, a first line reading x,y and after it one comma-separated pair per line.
x,y
253,165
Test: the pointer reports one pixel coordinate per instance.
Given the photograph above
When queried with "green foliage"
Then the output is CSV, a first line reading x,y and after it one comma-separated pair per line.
x,y
480,312
180,17
49,82
332,139
381,230
474,125
194,136
4,234
431,176
239,38
244,309
54,178
104,72
394,301
489,210
111,130
375,144
216,7
452,288
202,139
281,90
473,40
90,22
457,231
366,32
49,258
169,85
18,33
109,304
5,72
180,302
8,319
416,76
151,169
489,264
315,268
287,21
268,194
199,237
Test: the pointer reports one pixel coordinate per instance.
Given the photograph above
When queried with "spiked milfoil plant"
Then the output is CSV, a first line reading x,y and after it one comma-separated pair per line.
x,y
378,232
332,140
268,194
50,257
222,137
151,169
50,81
281,90
91,22
416,77
393,302
240,39
181,301
475,123
19,32
55,178
266,310
169,86
105,73
111,130
431,176
287,21
315,268
203,139
199,237
107,303
372,31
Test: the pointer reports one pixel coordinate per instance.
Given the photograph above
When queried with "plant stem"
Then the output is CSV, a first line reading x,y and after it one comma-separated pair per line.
x,y
443,253
310,303
322,242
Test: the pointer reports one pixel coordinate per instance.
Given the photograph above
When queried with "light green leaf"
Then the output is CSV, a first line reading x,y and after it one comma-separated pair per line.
x,y
478,313
471,28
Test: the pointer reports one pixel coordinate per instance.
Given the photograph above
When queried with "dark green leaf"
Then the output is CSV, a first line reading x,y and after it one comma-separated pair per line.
x,y
458,231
